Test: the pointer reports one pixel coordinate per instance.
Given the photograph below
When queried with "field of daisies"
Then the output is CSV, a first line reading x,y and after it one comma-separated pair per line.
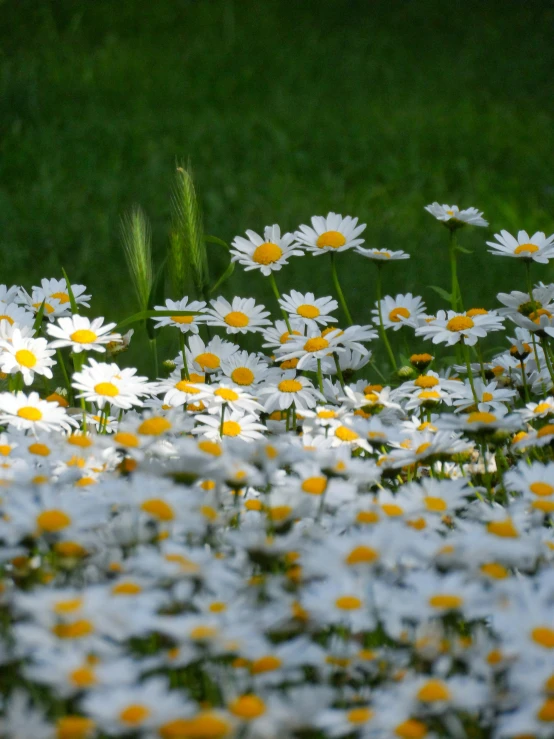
x,y
291,528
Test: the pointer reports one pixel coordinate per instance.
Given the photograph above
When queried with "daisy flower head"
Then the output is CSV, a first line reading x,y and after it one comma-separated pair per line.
x,y
453,217
233,397
180,391
185,324
25,412
278,334
312,347
288,390
246,370
82,334
330,234
12,314
308,309
236,425
207,358
107,383
382,255
53,308
451,327
268,254
239,317
27,355
404,310
57,289
536,248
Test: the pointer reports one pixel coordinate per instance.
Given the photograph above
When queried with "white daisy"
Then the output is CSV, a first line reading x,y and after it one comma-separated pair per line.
x,y
382,255
82,334
330,234
451,328
236,425
537,247
312,347
241,316
183,323
178,391
453,217
52,306
278,334
234,397
30,412
268,254
57,289
13,314
107,383
312,311
404,310
208,357
246,370
288,390
29,356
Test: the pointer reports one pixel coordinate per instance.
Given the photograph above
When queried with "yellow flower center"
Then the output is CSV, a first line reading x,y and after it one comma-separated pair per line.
x,y
286,336
546,506
126,588
182,319
481,417
158,508
125,438
445,601
107,389
526,249
546,712
289,386
69,605
316,344
29,413
392,509
231,428
542,489
543,408
267,253
83,336
433,503
186,565
279,512
433,690
47,307
334,239
308,311
202,633
359,715
204,725
411,729
154,426
74,727
545,431
53,520
83,677
226,393
267,663
247,707
134,714
544,636
207,360
6,318
367,517
348,603
397,314
345,434
362,555
487,397
210,447
237,319
242,376
429,395
25,358
74,630
459,323
426,381
494,570
40,450
503,529
62,297
314,485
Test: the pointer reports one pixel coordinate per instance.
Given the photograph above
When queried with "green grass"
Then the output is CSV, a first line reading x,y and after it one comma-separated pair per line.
x,y
285,110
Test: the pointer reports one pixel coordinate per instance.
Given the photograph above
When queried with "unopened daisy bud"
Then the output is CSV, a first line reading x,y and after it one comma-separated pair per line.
x,y
58,398
168,365
406,372
421,361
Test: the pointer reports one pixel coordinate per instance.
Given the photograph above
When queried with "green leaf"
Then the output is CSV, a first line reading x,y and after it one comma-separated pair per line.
x,y
225,276
38,320
219,242
72,301
156,297
136,317
440,291
463,249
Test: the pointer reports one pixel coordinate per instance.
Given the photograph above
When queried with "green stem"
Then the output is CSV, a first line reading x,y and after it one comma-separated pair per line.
x,y
382,331
524,380
339,371
456,294
277,294
319,377
338,288
547,358
469,372
222,419
185,369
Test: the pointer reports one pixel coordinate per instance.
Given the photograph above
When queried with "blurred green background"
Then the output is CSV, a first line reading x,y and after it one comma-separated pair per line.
x,y
285,109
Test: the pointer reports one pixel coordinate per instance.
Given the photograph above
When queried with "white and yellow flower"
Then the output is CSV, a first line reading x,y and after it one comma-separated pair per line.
x,y
268,254
331,233
186,324
107,383
403,310
453,217
30,412
536,248
82,334
241,316
27,355
308,309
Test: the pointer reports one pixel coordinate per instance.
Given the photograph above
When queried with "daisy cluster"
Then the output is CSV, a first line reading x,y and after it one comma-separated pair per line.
x,y
293,542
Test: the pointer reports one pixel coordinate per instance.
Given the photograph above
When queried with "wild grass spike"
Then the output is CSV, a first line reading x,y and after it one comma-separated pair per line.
x,y
137,245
